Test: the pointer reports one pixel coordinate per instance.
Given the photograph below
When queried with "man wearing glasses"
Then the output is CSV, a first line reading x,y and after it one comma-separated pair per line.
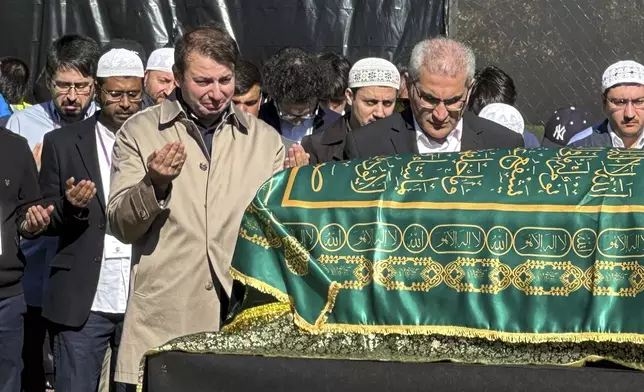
x,y
294,81
88,290
623,101
440,76
69,73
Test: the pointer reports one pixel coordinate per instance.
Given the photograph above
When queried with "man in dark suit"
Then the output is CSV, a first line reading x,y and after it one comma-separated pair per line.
x,y
440,76
89,279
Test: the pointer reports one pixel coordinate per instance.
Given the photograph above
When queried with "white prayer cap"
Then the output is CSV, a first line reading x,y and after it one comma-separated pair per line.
x,y
505,115
374,71
623,72
120,62
161,60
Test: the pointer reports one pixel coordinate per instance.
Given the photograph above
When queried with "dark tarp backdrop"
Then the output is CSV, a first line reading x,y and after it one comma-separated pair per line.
x,y
556,50
356,28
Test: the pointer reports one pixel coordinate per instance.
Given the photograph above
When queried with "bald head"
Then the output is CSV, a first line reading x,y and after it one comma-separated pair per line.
x,y
444,57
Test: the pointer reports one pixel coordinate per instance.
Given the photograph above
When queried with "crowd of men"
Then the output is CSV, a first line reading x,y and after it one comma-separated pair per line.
x,y
125,190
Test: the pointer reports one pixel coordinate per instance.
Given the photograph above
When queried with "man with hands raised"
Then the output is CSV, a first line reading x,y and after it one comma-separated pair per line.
x,y
88,289
183,174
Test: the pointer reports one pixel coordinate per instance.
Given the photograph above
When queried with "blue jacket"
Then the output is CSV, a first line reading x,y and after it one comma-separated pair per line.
x,y
324,118
597,136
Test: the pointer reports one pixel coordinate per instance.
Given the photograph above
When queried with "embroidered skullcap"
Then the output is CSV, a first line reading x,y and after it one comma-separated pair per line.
x,y
505,115
161,60
374,71
623,72
120,62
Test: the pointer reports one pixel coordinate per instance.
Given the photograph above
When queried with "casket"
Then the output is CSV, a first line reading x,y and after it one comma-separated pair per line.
x,y
508,257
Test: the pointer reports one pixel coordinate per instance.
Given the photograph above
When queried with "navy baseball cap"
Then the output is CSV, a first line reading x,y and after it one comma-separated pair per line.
x,y
563,125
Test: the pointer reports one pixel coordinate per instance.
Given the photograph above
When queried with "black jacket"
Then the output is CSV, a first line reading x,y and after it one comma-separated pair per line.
x,y
19,182
327,145
396,134
323,119
71,152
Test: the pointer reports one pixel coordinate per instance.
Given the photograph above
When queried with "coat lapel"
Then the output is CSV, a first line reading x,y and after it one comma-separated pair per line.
x,y
86,146
403,136
471,138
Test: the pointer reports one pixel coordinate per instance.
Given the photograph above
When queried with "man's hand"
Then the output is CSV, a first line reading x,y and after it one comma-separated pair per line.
x,y
37,219
37,151
165,165
79,195
296,156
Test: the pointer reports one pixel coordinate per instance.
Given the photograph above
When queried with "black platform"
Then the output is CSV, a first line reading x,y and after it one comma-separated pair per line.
x,y
176,371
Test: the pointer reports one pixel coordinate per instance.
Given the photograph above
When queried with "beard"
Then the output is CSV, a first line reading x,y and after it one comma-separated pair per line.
x,y
72,115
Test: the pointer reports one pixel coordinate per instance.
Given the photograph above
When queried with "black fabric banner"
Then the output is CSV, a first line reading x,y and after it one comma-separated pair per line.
x,y
356,28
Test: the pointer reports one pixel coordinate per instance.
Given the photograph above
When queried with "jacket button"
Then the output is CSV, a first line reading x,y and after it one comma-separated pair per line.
x,y
143,214
203,166
101,226
97,259
209,286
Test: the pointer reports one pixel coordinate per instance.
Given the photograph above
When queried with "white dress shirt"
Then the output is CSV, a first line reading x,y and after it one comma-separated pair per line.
x,y
114,279
452,142
619,143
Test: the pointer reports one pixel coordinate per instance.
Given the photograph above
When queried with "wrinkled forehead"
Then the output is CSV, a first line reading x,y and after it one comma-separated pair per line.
x,y
70,75
155,74
252,94
377,92
442,85
125,83
200,65
626,91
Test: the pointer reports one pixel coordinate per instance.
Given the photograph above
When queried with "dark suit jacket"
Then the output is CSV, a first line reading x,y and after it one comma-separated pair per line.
x,y
71,152
327,145
396,134
324,118
18,191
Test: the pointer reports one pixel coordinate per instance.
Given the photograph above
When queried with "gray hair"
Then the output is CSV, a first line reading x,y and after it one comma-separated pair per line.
x,y
442,56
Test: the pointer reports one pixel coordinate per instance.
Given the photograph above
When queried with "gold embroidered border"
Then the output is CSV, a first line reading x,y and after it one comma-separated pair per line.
x,y
321,326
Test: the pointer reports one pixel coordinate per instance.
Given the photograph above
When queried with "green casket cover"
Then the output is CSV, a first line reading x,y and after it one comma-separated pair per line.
x,y
504,257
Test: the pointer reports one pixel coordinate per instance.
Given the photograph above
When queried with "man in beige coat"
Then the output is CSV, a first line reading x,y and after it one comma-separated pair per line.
x,y
183,173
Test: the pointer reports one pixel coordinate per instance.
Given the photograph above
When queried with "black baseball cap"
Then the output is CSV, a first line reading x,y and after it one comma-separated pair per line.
x,y
563,125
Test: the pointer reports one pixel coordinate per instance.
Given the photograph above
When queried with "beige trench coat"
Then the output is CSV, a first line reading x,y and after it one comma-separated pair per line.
x,y
172,293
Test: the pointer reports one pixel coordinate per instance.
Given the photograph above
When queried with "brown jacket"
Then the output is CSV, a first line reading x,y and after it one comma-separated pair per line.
x,y
172,291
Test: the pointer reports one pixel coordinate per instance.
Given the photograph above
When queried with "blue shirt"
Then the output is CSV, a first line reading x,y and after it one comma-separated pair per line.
x,y
33,123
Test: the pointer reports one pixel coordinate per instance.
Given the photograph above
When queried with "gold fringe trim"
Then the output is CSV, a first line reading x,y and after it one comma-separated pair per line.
x,y
259,285
321,325
263,313
474,333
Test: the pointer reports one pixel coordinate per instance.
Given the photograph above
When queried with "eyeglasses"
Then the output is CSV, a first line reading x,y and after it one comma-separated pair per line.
x,y
427,101
297,117
83,88
117,95
621,103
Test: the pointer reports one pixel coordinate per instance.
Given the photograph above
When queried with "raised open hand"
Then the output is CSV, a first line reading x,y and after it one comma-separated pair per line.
x,y
79,195
296,156
37,219
165,165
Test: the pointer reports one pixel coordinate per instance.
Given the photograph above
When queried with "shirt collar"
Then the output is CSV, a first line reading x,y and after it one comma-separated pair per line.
x,y
454,136
619,143
172,109
104,131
